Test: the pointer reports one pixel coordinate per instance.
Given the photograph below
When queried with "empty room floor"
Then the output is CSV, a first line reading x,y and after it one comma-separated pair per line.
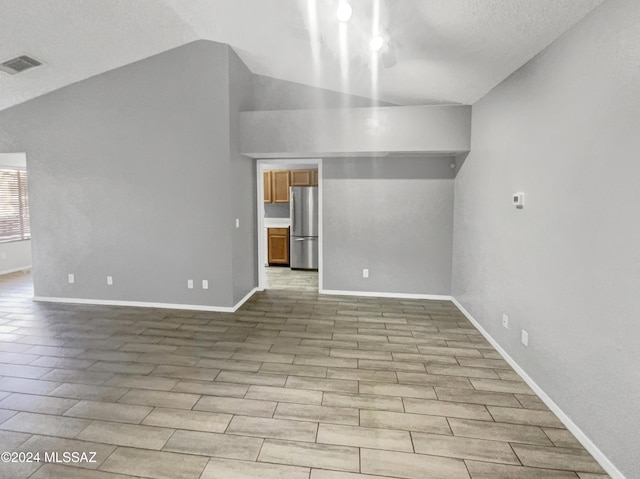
x,y
294,385
281,277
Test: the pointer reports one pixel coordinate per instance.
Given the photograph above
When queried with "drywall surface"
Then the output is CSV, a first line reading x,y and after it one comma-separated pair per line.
x,y
393,216
351,131
275,94
243,193
566,268
14,255
130,177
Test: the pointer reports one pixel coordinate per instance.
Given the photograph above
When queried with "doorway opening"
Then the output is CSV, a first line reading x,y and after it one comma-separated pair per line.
x,y
289,224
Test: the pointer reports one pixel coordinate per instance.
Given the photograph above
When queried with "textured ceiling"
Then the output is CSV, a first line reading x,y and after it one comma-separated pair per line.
x,y
447,51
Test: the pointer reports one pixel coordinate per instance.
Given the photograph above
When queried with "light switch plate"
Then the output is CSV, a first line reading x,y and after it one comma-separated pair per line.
x,y
365,273
518,200
71,278
110,280
190,283
205,284
525,338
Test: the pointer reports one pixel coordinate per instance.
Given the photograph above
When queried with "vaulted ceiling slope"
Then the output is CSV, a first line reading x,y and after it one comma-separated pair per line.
x,y
442,51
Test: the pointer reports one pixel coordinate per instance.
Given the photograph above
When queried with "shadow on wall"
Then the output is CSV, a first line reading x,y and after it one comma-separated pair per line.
x,y
459,161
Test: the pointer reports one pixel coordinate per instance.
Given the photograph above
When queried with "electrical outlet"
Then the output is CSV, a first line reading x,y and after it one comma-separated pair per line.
x,y
205,284
71,278
365,273
190,283
525,338
505,321
110,280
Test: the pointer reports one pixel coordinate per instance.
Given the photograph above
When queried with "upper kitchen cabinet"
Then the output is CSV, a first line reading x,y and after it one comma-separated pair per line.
x,y
304,177
280,186
300,177
268,197
277,183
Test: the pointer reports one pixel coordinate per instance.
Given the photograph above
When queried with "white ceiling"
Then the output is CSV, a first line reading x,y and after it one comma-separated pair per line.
x,y
447,51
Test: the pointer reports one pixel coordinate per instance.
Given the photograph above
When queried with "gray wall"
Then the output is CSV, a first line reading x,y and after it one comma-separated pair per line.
x,y
356,131
275,94
564,130
244,190
276,210
130,176
393,216
15,256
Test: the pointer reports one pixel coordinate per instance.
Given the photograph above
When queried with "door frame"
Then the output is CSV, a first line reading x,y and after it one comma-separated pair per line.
x,y
261,166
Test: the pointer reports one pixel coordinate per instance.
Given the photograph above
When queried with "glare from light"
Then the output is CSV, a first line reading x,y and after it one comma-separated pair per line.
x,y
313,32
376,43
344,11
344,57
375,29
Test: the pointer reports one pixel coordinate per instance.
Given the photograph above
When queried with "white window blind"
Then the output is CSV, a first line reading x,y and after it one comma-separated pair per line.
x,y
14,205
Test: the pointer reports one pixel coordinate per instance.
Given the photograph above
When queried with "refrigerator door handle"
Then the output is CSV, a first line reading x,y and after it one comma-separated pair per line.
x,y
299,239
291,210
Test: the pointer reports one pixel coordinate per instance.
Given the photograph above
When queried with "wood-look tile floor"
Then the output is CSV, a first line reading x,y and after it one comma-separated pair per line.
x,y
281,277
294,385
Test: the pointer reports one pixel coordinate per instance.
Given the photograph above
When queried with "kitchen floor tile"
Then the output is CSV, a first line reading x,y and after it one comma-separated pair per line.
x,y
212,444
557,458
129,435
499,431
44,424
293,384
325,414
273,428
192,420
218,468
304,454
155,464
404,421
246,407
411,466
373,438
109,411
464,448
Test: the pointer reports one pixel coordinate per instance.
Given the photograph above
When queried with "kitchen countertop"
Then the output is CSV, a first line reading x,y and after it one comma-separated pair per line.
x,y
277,222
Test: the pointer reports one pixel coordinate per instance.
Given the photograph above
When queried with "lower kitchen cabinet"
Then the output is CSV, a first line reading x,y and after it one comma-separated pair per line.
x,y
278,246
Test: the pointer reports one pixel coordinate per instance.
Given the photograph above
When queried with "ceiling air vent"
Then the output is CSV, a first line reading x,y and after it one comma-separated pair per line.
x,y
19,64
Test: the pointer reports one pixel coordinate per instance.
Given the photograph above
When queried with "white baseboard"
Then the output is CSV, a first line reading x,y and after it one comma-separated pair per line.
x,y
598,455
245,299
143,304
437,297
15,270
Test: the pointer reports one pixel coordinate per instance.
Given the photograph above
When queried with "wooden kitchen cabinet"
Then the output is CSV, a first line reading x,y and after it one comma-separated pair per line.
x,y
300,177
277,183
278,246
268,197
280,186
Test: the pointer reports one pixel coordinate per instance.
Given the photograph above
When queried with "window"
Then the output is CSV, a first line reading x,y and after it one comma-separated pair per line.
x,y
14,205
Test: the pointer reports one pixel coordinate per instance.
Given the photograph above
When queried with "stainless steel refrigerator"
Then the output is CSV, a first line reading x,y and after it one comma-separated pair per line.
x,y
303,248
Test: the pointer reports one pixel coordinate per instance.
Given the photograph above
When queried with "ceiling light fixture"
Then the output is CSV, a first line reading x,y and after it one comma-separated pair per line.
x,y
376,43
344,11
